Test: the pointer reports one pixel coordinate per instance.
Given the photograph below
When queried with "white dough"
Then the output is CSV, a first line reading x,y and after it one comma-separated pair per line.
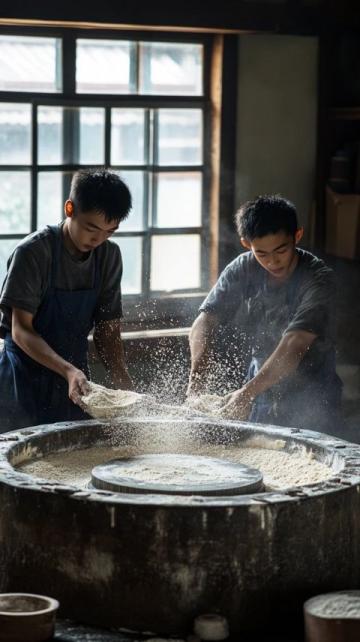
x,y
105,403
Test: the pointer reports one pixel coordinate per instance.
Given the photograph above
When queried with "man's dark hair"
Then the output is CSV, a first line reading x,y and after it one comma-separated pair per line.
x,y
266,215
102,191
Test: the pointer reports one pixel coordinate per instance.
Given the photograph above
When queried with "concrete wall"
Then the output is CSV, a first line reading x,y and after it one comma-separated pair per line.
x,y
276,124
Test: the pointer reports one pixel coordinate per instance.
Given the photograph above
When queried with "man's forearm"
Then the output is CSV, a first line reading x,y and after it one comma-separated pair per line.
x,y
37,348
110,348
283,362
200,340
199,349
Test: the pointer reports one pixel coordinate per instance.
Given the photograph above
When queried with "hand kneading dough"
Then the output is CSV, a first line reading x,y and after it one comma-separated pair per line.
x,y
208,404
105,403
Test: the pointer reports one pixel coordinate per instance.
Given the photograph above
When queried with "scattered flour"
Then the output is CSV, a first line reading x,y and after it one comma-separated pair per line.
x,y
181,469
280,469
105,403
207,404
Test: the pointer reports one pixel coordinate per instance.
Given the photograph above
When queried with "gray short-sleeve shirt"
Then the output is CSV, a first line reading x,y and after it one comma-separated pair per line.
x,y
242,293
29,269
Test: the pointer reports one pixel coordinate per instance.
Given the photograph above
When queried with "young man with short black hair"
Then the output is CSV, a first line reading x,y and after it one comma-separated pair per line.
x,y
286,296
61,282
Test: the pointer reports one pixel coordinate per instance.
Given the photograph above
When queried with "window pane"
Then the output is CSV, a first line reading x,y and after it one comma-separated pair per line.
x,y
53,190
131,251
180,137
135,183
92,135
6,247
30,64
50,141
178,199
127,136
15,202
103,66
15,134
175,262
169,68
71,135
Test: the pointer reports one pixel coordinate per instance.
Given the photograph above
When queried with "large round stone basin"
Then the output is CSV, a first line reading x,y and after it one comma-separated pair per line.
x,y
154,561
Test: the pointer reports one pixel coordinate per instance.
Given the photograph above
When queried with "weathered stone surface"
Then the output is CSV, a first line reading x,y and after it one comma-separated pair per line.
x,y
152,563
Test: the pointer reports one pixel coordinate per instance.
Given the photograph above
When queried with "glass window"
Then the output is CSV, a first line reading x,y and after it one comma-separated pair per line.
x,y
127,136
92,136
171,68
53,190
131,252
50,135
175,262
135,182
71,135
179,137
178,202
134,105
103,66
15,134
15,202
30,64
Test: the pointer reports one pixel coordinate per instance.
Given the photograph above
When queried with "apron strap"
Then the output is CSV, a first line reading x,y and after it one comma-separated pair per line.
x,y
55,253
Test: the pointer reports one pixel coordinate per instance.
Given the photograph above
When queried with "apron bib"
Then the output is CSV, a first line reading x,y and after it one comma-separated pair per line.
x,y
31,394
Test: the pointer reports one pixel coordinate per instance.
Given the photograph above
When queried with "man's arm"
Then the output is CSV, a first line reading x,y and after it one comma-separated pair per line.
x,y
109,345
200,338
24,335
280,364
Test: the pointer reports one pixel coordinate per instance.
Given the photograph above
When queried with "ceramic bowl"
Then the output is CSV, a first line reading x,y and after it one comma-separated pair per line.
x,y
25,617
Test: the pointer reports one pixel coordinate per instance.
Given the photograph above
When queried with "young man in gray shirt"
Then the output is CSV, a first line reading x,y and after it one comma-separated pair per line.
x,y
61,282
285,295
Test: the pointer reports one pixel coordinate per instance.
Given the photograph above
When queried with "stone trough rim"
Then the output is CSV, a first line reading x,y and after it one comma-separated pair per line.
x,y
348,476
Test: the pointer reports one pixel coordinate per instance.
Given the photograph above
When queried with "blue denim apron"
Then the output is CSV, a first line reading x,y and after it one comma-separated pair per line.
x,y
311,397
31,394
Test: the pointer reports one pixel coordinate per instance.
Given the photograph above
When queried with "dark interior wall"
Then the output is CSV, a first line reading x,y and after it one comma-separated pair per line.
x,y
276,121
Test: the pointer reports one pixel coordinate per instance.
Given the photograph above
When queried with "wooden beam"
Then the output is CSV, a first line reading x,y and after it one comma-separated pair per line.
x,y
215,98
230,16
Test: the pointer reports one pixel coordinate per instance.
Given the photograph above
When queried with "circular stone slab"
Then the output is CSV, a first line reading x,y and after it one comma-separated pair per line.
x,y
176,475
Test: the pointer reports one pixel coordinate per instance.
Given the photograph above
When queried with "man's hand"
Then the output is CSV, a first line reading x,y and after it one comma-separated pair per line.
x,y
78,384
237,405
195,386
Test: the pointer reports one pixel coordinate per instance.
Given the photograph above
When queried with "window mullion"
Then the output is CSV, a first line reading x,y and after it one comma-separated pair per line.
x,y
68,65
148,202
107,136
34,166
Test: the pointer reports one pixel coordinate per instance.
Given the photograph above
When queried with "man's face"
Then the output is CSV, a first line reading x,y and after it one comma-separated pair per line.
x,y
276,253
87,230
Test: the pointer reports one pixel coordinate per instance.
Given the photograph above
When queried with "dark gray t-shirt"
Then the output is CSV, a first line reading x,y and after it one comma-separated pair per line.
x,y
29,270
243,297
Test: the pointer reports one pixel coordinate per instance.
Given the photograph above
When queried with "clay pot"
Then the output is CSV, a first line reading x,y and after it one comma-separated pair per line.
x,y
333,617
25,617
